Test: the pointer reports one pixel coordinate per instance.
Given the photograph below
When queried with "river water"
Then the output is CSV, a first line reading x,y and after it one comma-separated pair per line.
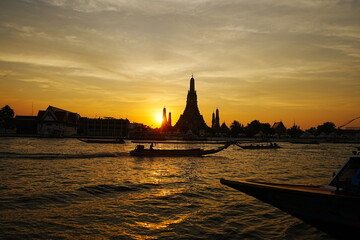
x,y
68,189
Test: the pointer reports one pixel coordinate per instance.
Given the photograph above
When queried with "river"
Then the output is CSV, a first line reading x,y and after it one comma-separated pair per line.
x,y
68,189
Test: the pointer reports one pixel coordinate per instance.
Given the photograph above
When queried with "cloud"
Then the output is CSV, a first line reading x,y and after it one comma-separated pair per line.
x,y
242,53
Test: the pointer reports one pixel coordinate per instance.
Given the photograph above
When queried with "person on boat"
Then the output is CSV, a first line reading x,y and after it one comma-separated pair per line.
x,y
151,146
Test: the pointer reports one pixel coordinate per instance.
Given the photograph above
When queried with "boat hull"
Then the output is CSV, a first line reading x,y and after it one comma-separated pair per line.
x,y
259,147
333,212
197,152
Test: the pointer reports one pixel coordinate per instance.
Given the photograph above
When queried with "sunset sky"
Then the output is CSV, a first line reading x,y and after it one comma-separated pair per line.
x,y
270,60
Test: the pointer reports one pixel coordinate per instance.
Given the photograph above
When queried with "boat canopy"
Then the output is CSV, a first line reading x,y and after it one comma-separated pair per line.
x,y
348,177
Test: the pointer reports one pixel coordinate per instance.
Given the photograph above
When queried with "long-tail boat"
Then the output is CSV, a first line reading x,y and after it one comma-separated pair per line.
x,y
259,146
140,150
111,141
333,208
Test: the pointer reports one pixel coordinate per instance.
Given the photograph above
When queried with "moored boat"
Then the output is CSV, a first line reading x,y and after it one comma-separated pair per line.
x,y
140,150
117,141
259,146
333,208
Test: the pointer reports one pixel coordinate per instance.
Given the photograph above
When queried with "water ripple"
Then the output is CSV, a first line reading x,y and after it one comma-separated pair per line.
x,y
101,192
12,155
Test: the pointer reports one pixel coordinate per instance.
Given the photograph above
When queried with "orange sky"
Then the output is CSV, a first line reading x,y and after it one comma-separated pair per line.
x,y
266,60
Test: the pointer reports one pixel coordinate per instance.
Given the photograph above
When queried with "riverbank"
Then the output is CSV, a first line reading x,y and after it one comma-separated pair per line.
x,y
214,140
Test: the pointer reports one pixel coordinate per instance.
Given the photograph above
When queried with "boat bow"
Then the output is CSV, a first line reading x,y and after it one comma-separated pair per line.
x,y
336,213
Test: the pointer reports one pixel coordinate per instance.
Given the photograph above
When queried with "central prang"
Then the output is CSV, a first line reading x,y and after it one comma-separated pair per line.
x,y
191,119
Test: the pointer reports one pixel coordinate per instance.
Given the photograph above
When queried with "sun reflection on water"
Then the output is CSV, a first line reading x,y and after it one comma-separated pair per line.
x,y
164,224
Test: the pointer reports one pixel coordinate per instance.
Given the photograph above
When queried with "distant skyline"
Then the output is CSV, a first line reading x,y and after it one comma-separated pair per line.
x,y
269,60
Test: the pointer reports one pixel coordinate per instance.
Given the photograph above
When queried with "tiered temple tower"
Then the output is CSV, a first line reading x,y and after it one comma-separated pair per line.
x,y
191,119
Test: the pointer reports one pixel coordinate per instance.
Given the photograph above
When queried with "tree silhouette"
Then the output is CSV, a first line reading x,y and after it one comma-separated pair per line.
x,y
327,127
256,127
253,128
236,128
295,131
6,117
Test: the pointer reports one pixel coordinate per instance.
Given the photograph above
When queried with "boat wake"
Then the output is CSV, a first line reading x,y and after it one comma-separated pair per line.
x,y
12,155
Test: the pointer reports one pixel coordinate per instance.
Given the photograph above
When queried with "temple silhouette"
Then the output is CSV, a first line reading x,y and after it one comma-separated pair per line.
x,y
191,120
166,124
215,122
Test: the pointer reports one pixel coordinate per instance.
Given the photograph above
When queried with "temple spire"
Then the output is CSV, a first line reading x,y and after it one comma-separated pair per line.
x,y
213,120
164,121
169,120
217,119
192,84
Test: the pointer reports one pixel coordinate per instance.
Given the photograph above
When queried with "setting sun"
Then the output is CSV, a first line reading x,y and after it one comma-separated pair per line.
x,y
158,119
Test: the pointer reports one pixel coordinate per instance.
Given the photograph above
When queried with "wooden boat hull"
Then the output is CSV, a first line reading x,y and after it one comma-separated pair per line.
x,y
335,213
197,152
103,141
259,147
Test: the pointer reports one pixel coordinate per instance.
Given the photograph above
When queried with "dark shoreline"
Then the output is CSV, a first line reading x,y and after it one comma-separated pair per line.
x,y
200,140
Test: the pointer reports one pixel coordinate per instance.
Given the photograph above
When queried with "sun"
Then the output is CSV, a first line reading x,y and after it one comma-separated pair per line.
x,y
158,119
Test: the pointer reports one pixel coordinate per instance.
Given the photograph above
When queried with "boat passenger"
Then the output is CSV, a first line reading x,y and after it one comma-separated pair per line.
x,y
151,146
